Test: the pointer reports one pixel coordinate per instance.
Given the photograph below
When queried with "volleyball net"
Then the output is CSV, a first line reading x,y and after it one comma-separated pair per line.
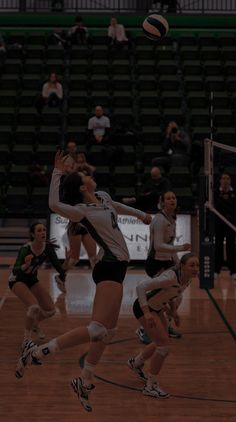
x,y
220,159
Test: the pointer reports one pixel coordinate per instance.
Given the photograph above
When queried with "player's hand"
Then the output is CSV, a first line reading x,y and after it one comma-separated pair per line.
x,y
186,247
28,259
147,219
59,162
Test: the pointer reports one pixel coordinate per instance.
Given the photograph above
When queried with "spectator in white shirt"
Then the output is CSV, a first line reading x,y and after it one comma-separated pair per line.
x,y
116,33
98,128
52,93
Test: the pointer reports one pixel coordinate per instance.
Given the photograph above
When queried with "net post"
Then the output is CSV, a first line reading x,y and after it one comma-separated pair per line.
x,y
206,222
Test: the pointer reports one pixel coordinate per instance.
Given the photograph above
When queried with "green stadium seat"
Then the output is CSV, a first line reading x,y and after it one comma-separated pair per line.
x,y
79,52
148,99
25,135
18,175
7,116
212,67
12,66
179,177
209,53
22,154
197,99
124,176
50,135
144,52
79,67
32,66
27,98
169,82
171,99
55,52
189,52
149,117
78,99
35,51
192,67
10,81
78,82
8,98
146,83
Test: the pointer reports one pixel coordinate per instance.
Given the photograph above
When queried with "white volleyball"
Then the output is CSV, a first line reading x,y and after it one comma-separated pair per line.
x,y
155,27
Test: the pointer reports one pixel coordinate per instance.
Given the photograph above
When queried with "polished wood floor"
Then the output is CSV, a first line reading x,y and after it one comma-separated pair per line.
x,y
200,372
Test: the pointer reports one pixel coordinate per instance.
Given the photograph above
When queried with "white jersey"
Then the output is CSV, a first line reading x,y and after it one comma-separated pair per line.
x,y
100,219
162,236
158,291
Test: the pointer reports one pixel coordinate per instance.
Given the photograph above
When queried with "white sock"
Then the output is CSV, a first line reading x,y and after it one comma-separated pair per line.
x,y
151,380
87,373
47,348
138,360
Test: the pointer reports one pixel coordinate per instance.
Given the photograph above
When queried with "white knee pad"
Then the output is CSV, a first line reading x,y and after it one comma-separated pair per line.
x,y
33,312
48,314
162,350
110,334
97,331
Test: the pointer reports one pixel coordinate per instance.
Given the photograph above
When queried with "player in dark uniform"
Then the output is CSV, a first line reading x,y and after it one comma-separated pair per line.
x,y
98,213
24,282
156,297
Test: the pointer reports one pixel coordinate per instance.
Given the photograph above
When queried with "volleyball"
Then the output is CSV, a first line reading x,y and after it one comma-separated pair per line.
x,y
155,27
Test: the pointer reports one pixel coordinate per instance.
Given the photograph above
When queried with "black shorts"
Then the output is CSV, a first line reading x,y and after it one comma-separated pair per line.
x,y
154,266
28,280
76,229
114,271
137,310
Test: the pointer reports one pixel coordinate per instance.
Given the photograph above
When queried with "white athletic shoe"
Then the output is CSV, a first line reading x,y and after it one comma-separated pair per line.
x,y
60,284
155,391
137,370
26,358
82,392
39,333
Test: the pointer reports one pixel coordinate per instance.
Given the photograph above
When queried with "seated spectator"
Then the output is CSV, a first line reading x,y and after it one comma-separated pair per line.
x,y
98,128
79,33
176,148
149,198
71,152
59,37
116,33
76,160
52,93
82,163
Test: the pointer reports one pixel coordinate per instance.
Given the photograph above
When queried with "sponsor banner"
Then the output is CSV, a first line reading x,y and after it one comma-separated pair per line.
x,y
135,232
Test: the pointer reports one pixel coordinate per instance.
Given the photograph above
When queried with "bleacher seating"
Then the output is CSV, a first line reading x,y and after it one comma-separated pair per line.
x,y
141,87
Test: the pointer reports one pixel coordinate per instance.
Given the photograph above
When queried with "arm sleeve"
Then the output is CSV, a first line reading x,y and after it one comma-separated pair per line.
x,y
159,236
125,210
73,213
166,279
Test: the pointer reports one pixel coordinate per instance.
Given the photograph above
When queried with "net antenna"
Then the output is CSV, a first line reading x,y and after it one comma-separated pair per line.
x,y
210,147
